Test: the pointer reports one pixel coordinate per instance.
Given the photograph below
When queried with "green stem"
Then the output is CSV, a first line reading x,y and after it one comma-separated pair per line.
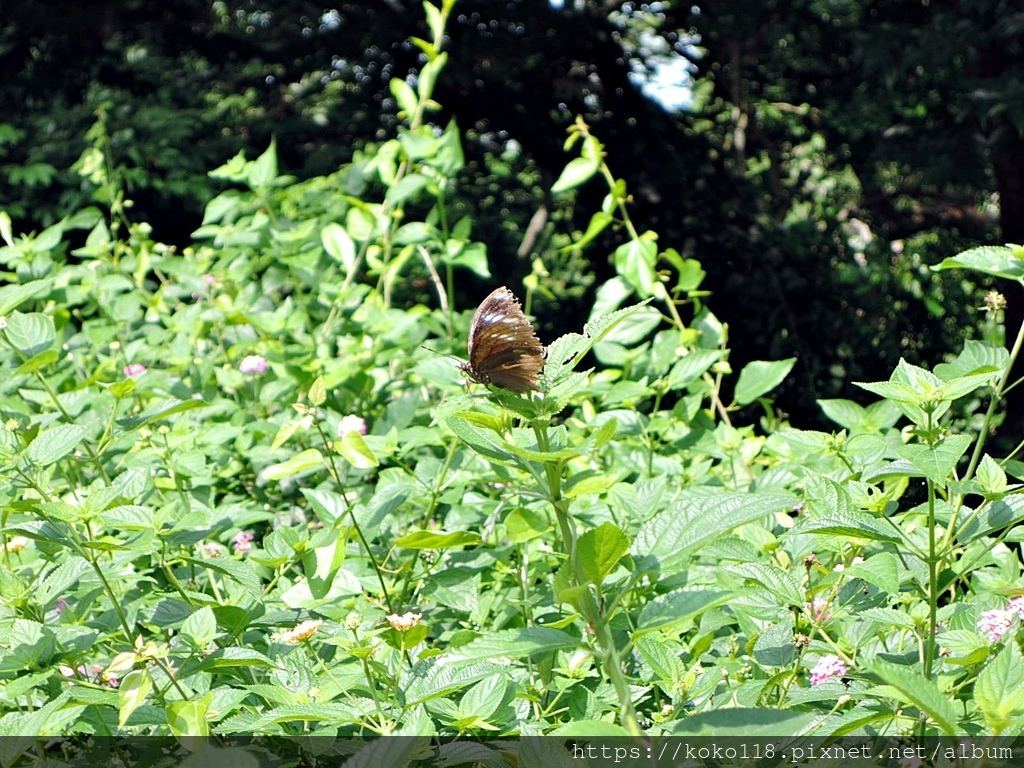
x,y
586,603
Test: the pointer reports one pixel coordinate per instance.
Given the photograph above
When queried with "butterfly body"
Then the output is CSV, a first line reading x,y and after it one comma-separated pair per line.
x,y
503,347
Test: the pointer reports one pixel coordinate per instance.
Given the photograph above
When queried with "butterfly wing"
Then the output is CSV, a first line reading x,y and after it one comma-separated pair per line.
x,y
503,347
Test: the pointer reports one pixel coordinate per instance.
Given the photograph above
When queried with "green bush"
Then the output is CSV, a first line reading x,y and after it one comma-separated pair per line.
x,y
239,495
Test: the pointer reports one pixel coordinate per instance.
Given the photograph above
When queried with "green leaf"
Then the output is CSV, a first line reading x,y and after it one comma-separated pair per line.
x,y
999,690
407,188
635,261
438,540
995,515
525,524
515,644
200,627
393,753
998,260
578,171
936,462
853,523
679,606
881,570
599,551
355,451
667,666
991,476
845,413
54,444
132,692
553,749
484,442
747,723
404,95
774,646
263,172
188,718
438,677
692,365
240,571
779,583
915,689
31,334
309,459
759,377
429,73
339,245
13,296
162,410
327,505
677,531
977,357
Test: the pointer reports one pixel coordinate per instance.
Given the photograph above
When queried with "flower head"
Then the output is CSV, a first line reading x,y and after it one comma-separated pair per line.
x,y
133,370
242,541
995,624
253,364
16,544
213,549
405,622
352,423
301,632
828,666
819,609
1016,606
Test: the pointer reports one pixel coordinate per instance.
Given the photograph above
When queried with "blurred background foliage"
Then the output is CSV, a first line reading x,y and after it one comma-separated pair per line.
x,y
816,156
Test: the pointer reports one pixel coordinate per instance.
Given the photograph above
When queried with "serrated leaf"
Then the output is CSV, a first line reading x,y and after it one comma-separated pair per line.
x,y
881,570
772,578
308,459
396,752
132,692
482,441
169,407
30,333
438,540
599,551
54,444
746,723
845,413
690,367
677,531
760,377
997,260
679,606
663,660
13,296
240,571
188,718
936,462
774,646
994,515
435,677
915,689
200,627
991,476
355,451
515,644
976,357
999,690
854,523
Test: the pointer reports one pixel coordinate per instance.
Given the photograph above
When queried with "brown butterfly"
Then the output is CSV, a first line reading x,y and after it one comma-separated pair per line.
x,y
503,348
